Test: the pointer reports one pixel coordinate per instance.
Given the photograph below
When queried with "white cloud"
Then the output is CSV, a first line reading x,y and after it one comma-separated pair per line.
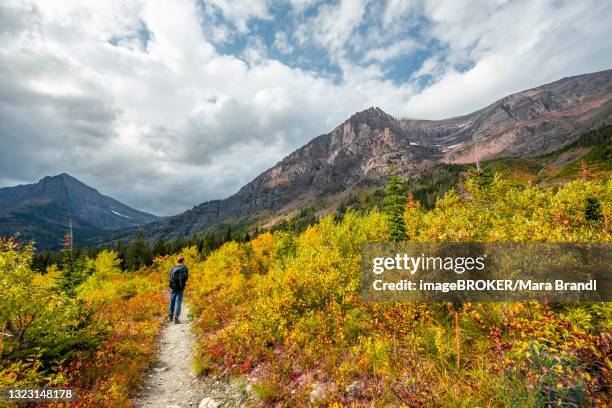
x,y
175,123
510,46
281,43
333,26
239,12
163,128
399,11
299,6
395,50
431,66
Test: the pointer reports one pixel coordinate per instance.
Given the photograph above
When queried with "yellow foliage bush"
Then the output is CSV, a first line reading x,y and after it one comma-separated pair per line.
x,y
285,309
99,341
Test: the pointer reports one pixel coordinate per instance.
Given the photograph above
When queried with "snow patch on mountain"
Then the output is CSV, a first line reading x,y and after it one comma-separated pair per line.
x,y
121,215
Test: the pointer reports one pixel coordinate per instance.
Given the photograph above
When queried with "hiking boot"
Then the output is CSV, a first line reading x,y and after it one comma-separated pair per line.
x,y
170,318
176,321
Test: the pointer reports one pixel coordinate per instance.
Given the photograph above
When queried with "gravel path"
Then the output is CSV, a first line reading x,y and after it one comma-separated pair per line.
x,y
172,383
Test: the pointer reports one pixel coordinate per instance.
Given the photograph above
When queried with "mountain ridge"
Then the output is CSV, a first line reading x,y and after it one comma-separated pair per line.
x,y
362,150
42,210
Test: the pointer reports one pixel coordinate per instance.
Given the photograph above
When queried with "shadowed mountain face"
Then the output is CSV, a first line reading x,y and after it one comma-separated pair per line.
x,y
362,151
42,211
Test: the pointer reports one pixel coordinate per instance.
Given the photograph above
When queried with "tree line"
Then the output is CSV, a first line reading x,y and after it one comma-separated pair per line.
x,y
140,253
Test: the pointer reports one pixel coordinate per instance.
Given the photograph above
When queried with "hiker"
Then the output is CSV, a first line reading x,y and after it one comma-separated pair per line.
x,y
177,281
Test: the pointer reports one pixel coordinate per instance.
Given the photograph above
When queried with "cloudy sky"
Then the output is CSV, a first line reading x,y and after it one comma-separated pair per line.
x,y
165,104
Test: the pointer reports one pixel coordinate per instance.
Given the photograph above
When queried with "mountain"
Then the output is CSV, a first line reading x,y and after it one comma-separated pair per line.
x,y
42,211
362,151
525,124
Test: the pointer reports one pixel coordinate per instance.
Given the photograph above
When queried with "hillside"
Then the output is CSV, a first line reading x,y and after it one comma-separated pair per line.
x,y
589,157
289,313
42,211
282,320
360,153
525,124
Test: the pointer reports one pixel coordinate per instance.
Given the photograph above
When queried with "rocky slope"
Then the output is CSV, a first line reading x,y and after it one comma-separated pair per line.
x,y
362,151
42,211
525,124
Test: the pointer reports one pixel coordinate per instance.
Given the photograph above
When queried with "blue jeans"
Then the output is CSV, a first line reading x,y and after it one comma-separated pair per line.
x,y
176,297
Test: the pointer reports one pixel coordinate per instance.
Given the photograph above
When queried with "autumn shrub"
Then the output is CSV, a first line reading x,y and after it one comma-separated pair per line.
x,y
41,327
99,337
285,311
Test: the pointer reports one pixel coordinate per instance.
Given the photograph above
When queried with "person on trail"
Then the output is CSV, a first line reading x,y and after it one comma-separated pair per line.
x,y
177,281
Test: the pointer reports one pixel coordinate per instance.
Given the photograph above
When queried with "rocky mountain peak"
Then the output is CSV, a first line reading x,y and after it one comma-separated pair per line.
x,y
374,117
362,150
67,182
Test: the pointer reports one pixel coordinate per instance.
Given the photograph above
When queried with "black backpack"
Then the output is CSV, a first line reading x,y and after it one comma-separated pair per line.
x,y
178,277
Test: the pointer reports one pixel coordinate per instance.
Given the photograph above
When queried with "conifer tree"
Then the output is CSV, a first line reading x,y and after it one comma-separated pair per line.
x,y
483,177
75,269
228,234
592,210
395,203
137,254
159,249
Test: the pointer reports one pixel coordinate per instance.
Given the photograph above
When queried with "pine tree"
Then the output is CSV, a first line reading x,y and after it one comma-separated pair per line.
x,y
228,234
137,253
592,210
159,249
75,269
483,178
395,203
209,243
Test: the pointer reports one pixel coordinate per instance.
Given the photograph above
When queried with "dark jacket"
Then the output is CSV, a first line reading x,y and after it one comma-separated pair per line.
x,y
177,278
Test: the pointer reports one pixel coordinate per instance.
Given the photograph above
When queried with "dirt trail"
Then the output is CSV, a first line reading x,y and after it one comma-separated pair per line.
x,y
172,383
